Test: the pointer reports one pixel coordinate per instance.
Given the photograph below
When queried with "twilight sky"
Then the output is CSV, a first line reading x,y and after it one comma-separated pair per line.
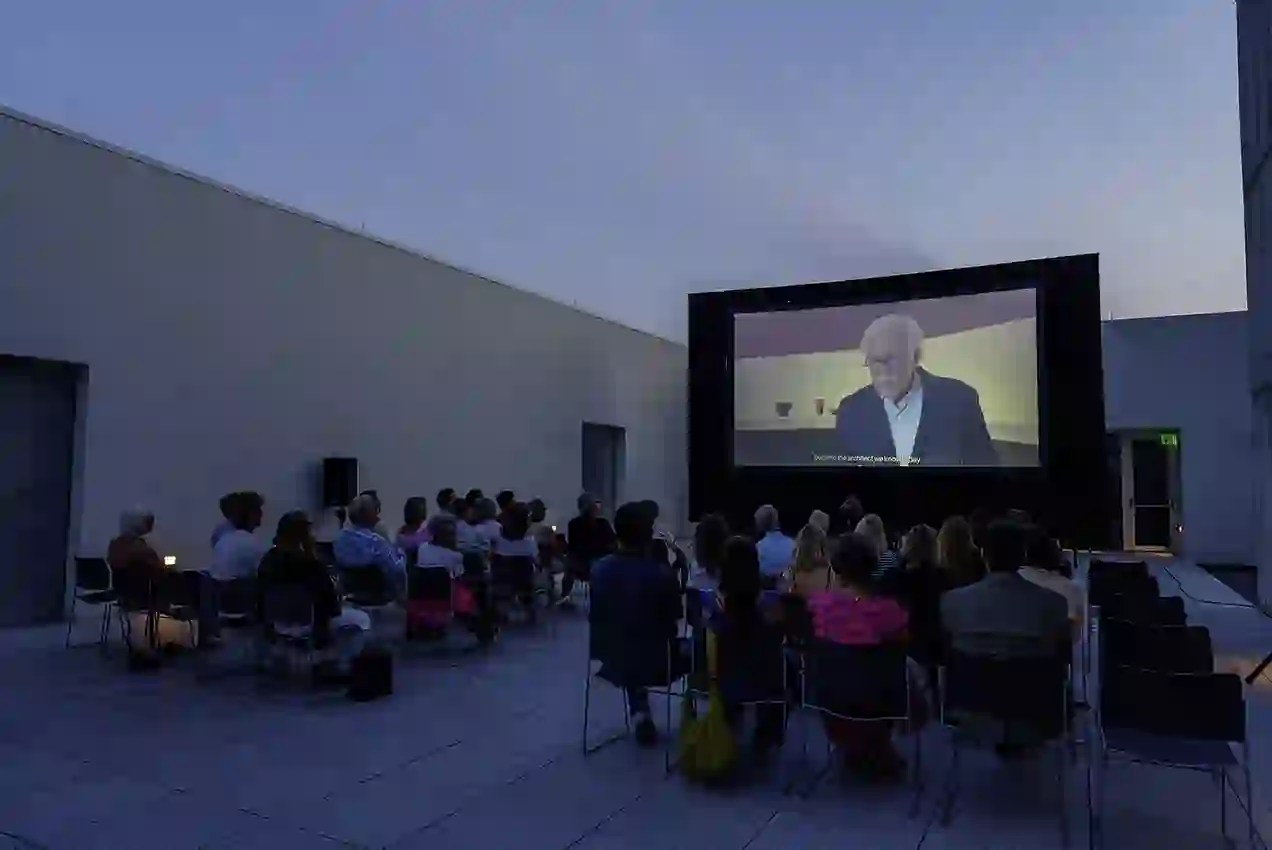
x,y
617,154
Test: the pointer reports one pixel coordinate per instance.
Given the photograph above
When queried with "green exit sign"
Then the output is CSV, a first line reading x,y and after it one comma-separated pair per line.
x,y
1171,440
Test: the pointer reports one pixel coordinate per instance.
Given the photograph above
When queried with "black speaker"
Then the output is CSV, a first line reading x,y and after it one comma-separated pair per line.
x,y
339,481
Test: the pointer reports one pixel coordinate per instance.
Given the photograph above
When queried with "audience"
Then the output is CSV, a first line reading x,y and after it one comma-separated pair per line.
x,y
820,519
543,533
957,553
1045,567
414,531
852,613
634,615
749,630
1004,615
918,586
380,528
360,545
137,567
589,537
239,551
446,502
441,550
487,523
850,513
503,500
466,533
292,563
225,525
709,540
776,551
871,528
811,571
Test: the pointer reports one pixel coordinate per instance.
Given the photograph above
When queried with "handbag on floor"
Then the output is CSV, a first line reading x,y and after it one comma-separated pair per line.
x,y
708,750
371,675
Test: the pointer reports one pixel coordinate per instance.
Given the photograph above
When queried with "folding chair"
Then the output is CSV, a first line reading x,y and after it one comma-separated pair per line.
x,y
428,597
94,587
134,597
287,622
1166,649
1183,721
1027,693
1150,610
861,684
512,583
177,599
367,589
236,612
597,653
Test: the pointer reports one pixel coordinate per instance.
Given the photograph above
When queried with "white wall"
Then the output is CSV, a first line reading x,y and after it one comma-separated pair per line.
x,y
1191,373
232,344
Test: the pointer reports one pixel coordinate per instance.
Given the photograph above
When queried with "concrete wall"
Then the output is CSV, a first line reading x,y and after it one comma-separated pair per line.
x,y
1191,373
1254,76
232,344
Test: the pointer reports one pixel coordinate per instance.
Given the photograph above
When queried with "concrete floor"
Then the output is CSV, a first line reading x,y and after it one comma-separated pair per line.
x,y
483,753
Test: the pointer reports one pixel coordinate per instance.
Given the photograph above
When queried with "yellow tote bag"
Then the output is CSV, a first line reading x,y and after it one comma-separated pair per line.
x,y
708,750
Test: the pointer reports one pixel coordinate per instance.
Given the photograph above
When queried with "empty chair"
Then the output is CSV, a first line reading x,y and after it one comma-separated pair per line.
x,y
512,582
1183,721
287,621
1101,567
430,609
1168,649
94,587
1139,608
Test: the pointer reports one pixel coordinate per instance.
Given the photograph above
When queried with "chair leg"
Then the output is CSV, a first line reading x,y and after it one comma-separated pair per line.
x,y
952,780
587,704
70,622
1223,803
918,772
103,640
1062,781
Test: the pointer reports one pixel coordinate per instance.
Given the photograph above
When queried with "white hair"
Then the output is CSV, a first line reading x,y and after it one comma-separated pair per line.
x,y
895,323
136,521
364,511
766,519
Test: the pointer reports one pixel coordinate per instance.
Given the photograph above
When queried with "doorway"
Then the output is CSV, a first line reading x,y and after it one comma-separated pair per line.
x,y
37,445
1151,504
604,460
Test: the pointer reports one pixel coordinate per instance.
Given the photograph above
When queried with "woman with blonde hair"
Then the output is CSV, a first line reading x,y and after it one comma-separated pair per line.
x,y
957,554
820,519
811,571
871,528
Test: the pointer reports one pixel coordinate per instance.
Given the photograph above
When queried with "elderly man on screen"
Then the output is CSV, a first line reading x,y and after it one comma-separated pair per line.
x,y
908,415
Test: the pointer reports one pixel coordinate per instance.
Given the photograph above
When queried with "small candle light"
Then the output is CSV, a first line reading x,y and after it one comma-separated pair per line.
x,y
169,560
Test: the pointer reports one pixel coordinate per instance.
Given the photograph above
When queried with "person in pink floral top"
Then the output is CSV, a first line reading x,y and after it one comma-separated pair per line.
x,y
851,613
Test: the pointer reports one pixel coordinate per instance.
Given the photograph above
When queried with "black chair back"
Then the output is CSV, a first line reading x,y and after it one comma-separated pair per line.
x,y
798,620
1149,610
325,550
1101,588
177,588
862,682
694,606
474,564
289,605
512,573
1031,691
92,575
133,588
237,597
366,585
1167,649
751,661
428,584
1206,707
1101,567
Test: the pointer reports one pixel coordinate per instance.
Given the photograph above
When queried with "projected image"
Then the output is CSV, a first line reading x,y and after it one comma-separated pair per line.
x,y
935,382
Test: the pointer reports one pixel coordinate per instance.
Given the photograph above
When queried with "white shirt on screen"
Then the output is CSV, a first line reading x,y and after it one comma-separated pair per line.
x,y
903,420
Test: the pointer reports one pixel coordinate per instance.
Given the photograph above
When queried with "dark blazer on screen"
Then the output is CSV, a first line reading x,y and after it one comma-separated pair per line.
x,y
952,429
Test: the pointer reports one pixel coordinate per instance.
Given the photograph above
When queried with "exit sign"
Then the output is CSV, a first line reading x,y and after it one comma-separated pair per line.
x,y
1171,440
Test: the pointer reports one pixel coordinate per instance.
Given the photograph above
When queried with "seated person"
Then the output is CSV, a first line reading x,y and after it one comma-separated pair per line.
x,y
237,555
750,635
136,567
238,552
709,540
1045,567
634,614
589,538
380,528
225,525
467,535
958,554
776,550
811,570
441,551
871,528
487,523
360,546
414,531
852,613
1005,615
514,543
292,563
918,586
